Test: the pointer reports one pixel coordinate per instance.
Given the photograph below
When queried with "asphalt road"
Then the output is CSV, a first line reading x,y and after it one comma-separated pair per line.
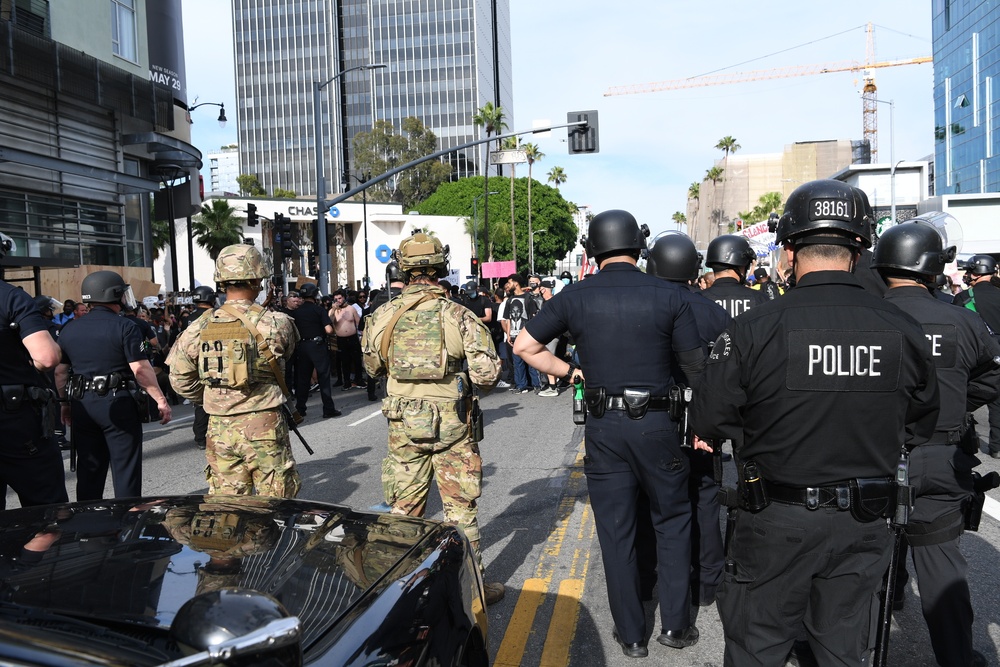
x,y
538,531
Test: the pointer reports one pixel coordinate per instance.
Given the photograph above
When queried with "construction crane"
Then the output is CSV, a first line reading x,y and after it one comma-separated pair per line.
x,y
868,94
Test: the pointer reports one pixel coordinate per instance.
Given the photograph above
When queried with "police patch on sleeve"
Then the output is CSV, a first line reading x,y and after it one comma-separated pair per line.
x,y
721,349
833,360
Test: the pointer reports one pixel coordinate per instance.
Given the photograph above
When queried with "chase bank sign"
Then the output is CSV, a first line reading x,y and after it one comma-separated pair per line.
x,y
310,211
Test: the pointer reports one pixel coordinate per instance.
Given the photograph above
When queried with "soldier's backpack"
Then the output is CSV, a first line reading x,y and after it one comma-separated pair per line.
x,y
413,343
227,354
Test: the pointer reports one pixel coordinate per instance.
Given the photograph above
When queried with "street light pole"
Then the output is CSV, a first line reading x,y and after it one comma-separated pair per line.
x,y
892,159
321,241
475,226
531,250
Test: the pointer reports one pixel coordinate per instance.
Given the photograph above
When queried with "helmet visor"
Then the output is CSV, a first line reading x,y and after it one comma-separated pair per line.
x,y
128,298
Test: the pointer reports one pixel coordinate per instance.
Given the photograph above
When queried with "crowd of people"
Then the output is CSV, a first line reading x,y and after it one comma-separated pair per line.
x,y
841,388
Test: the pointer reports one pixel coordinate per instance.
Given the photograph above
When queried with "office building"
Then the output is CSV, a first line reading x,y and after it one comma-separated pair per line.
x,y
444,60
92,121
224,168
966,85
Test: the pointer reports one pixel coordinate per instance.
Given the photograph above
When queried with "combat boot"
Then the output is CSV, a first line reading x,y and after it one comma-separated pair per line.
x,y
494,592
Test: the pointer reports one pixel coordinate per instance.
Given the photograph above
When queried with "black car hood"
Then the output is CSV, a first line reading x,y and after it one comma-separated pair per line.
x,y
135,562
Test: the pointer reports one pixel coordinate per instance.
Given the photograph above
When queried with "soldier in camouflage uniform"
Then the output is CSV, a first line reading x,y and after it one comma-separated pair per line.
x,y
216,363
429,403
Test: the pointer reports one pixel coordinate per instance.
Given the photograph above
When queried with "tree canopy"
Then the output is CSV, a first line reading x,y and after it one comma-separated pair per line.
x,y
217,227
767,203
384,148
249,185
549,212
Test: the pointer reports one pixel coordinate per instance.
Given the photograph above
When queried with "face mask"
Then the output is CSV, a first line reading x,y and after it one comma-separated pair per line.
x,y
565,281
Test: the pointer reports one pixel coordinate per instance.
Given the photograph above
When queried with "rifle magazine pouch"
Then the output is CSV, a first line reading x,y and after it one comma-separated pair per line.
x,y
594,397
872,498
636,402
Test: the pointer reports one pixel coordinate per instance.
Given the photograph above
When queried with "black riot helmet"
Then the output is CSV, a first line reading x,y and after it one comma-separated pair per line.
x,y
673,257
106,287
308,291
615,232
829,208
730,251
6,245
394,274
981,265
203,294
869,222
913,249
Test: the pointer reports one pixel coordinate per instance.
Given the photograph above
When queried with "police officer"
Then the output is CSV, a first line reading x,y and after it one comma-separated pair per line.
x,y
673,257
204,298
30,462
910,256
231,363
818,390
983,297
105,353
314,326
422,340
730,256
632,332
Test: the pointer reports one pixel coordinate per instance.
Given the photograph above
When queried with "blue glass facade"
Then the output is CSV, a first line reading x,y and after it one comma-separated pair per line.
x,y
966,87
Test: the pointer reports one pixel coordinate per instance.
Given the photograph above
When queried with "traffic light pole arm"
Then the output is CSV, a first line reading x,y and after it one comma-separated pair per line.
x,y
433,156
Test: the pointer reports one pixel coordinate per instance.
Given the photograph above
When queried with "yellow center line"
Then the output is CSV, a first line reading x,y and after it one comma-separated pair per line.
x,y
562,626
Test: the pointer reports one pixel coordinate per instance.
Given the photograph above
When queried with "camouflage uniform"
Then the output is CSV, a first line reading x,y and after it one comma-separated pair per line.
x,y
226,534
247,445
426,434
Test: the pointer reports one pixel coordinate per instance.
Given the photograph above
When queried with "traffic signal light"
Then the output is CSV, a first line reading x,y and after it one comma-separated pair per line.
x,y
583,138
252,220
474,268
283,238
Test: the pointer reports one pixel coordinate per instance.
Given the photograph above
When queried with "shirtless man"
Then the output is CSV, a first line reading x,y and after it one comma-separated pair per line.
x,y
345,323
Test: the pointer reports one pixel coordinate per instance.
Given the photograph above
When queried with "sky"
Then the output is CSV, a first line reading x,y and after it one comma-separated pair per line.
x,y
653,146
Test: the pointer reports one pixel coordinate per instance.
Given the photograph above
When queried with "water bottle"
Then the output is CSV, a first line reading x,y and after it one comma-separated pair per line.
x,y
579,405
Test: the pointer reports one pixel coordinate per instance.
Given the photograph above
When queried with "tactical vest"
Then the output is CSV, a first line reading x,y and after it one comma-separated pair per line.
x,y
228,356
417,350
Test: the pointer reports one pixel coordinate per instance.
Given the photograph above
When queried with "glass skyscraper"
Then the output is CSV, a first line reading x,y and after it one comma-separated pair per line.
x,y
445,59
966,84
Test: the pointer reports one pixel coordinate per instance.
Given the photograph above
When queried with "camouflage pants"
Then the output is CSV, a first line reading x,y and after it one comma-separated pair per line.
x,y
249,454
454,462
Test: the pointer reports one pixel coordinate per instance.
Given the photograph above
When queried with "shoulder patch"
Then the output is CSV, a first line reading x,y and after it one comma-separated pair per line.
x,y
721,349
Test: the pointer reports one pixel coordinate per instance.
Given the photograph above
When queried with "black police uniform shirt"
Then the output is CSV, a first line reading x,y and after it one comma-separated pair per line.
x,y
711,318
311,320
823,385
962,350
18,319
627,327
734,297
100,343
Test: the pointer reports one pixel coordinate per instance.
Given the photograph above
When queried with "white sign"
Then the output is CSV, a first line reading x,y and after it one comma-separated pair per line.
x,y
508,157
761,240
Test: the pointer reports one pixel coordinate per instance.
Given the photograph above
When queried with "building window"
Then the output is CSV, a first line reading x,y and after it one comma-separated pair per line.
x,y
123,40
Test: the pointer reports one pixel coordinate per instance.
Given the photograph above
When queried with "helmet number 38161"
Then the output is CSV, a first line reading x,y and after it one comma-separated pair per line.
x,y
825,209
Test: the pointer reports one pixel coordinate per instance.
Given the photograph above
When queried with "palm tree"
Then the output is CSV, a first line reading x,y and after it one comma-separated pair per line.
x,y
679,219
694,192
557,176
715,175
727,145
512,143
534,154
492,120
217,227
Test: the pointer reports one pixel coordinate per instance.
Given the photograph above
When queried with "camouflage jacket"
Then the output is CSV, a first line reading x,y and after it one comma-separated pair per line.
x,y
281,335
465,337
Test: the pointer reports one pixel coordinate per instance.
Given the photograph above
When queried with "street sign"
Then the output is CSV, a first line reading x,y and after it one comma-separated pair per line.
x,y
508,157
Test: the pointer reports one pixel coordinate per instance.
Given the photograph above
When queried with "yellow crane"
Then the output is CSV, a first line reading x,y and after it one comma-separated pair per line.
x,y
868,94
